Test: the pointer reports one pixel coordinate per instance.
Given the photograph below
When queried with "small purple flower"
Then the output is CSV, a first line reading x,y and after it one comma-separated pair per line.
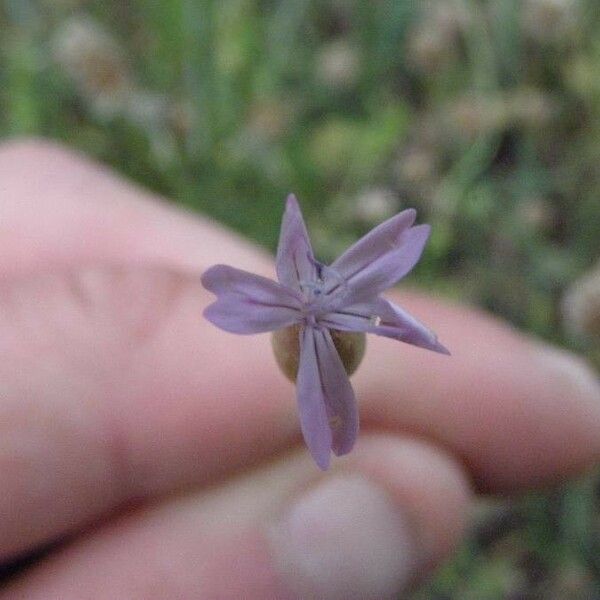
x,y
319,300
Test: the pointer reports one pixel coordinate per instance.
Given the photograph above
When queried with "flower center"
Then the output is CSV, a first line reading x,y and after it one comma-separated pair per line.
x,y
312,289
324,293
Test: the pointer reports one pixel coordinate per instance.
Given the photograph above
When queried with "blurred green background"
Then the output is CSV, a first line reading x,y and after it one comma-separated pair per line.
x,y
485,116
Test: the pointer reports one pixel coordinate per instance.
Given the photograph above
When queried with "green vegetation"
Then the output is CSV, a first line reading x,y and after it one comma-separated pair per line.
x,y
485,116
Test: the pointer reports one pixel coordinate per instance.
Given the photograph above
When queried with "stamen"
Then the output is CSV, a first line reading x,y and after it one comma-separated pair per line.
x,y
313,286
375,320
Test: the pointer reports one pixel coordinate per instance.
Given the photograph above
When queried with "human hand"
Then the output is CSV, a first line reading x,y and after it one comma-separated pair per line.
x,y
162,457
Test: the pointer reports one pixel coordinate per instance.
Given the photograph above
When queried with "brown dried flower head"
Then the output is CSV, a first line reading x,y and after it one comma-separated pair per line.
x,y
581,305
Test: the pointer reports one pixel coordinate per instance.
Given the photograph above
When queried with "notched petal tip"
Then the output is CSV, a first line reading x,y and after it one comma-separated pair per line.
x,y
225,320
237,314
207,279
419,235
378,242
209,313
379,260
323,462
410,214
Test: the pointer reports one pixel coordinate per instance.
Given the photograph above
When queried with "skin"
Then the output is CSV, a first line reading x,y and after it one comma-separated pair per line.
x,y
152,449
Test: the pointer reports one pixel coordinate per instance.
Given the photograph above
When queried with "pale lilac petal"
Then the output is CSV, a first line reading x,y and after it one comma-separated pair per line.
x,y
340,401
224,280
379,241
248,303
385,318
295,262
239,314
367,283
314,420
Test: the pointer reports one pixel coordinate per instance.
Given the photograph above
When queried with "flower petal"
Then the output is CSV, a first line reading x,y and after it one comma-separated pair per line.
x,y
295,261
225,280
238,314
381,274
340,401
385,318
326,402
379,241
311,401
248,303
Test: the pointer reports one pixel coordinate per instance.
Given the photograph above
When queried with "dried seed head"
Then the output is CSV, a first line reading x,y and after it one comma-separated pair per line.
x,y
434,42
91,57
473,116
374,205
338,64
537,213
581,305
417,165
269,119
286,347
548,21
530,107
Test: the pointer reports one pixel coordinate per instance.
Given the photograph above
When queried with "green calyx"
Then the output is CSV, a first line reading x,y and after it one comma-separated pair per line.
x,y
286,347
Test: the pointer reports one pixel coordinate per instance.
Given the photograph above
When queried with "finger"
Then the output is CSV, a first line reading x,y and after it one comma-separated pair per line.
x,y
114,388
518,412
110,392
514,419
59,209
367,530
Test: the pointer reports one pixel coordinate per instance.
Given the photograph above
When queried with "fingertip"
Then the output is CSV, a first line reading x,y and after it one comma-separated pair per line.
x,y
576,372
375,524
368,529
344,539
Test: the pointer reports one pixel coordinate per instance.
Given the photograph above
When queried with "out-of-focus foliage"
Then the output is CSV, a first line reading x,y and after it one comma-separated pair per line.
x,y
483,115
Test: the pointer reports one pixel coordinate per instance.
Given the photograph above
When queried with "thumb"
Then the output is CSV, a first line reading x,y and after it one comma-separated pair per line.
x,y
370,528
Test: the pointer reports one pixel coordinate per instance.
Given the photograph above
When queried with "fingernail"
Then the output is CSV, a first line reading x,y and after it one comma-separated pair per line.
x,y
346,540
574,371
